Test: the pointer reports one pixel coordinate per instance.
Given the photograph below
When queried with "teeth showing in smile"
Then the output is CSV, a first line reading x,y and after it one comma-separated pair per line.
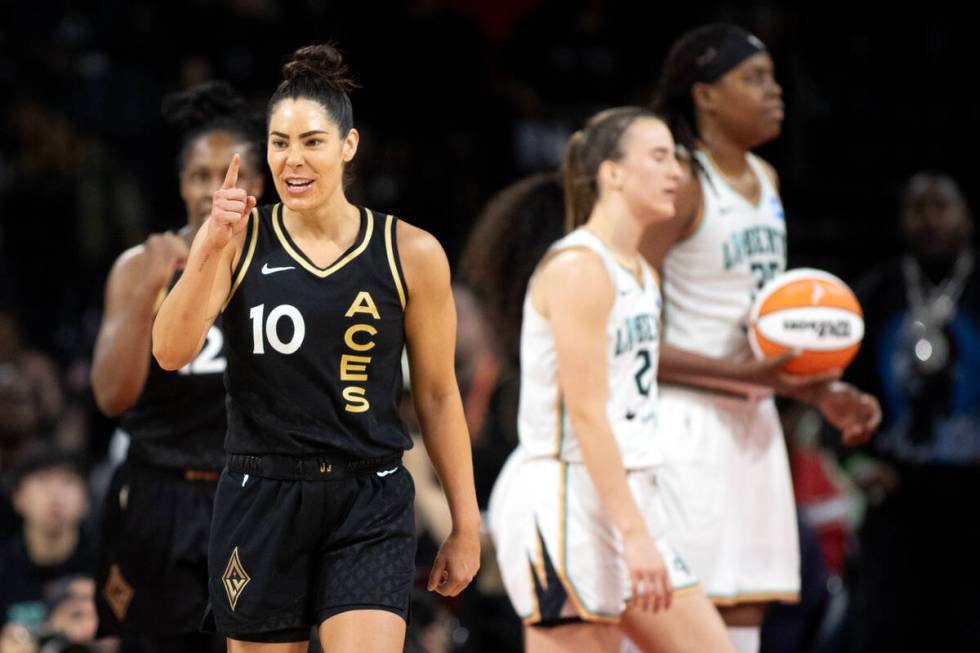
x,y
296,183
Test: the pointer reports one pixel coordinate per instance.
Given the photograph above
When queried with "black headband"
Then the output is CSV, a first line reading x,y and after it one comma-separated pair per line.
x,y
733,48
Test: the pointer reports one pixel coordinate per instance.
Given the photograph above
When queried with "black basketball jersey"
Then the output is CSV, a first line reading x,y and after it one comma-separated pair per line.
x,y
179,420
314,354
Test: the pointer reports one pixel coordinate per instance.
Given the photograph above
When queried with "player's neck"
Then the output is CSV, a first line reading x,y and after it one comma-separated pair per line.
x,y
617,229
46,547
726,154
332,220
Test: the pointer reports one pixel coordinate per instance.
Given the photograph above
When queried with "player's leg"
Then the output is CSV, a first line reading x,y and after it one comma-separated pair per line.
x,y
691,625
238,646
582,637
367,564
188,643
744,624
261,562
761,525
363,630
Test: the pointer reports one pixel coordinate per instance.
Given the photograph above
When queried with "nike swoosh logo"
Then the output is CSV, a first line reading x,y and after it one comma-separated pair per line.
x,y
267,270
390,471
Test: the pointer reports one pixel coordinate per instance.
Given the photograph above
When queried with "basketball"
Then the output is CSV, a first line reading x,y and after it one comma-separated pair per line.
x,y
811,311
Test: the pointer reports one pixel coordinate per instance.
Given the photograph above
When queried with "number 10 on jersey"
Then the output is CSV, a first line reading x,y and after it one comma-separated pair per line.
x,y
353,364
272,330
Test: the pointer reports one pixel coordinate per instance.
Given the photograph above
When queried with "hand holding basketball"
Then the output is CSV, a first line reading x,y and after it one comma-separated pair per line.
x,y
771,373
856,414
230,207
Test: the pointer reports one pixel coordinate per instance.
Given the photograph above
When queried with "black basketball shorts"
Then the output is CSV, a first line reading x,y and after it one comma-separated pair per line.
x,y
289,554
152,564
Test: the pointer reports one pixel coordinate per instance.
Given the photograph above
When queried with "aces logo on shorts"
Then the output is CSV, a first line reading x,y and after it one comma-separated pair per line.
x,y
235,578
117,593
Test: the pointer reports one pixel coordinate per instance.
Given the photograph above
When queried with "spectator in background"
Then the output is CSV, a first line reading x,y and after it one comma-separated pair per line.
x,y
71,616
481,619
30,394
50,495
510,236
17,638
828,506
921,355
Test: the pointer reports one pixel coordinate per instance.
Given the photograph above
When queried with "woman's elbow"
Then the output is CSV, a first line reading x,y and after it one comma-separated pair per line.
x,y
586,419
165,348
110,401
166,356
435,398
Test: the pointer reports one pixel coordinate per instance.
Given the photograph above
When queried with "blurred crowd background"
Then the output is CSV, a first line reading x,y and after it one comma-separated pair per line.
x,y
460,98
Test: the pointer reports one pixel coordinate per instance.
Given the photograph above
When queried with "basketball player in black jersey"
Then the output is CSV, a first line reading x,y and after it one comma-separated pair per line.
x,y
313,521
153,558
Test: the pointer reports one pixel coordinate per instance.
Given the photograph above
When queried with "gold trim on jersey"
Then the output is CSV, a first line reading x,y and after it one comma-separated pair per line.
x,y
248,258
158,302
535,615
537,576
559,424
539,560
309,267
687,589
391,260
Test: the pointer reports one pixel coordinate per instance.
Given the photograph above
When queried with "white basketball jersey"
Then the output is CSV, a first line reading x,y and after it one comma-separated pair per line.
x,y
711,277
632,353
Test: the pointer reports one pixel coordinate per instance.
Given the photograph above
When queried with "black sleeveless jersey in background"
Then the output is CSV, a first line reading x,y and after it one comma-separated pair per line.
x,y
179,420
314,354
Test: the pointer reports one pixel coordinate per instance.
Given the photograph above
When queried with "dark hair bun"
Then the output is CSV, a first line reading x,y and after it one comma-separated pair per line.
x,y
201,105
322,62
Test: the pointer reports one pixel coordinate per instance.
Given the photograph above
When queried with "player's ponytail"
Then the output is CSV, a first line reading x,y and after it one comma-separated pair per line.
x,y
600,140
580,192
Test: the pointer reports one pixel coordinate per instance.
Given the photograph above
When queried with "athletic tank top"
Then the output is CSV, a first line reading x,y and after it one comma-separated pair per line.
x,y
179,419
314,354
632,352
711,278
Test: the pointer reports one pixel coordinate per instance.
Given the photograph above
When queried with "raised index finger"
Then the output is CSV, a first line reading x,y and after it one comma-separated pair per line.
x,y
231,177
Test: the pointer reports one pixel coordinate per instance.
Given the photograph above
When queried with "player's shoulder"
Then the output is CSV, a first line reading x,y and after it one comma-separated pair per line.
x,y
129,264
573,266
574,278
423,260
416,246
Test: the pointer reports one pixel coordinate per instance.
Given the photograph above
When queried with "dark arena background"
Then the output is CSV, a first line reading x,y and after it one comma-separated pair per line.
x,y
459,98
